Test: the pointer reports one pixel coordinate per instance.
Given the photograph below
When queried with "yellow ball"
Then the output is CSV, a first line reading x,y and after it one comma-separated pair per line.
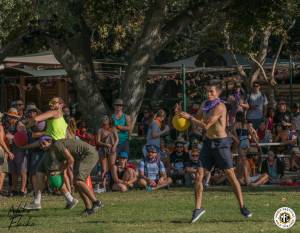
x,y
180,124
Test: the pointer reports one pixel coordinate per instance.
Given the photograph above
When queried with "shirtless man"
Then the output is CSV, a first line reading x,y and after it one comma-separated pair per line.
x,y
216,148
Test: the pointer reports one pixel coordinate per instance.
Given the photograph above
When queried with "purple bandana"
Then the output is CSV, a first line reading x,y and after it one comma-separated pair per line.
x,y
210,104
237,96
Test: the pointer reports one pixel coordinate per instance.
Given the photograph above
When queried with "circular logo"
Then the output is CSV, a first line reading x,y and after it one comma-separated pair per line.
x,y
285,218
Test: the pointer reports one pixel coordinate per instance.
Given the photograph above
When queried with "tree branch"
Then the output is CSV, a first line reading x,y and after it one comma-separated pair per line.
x,y
6,50
260,66
181,21
279,51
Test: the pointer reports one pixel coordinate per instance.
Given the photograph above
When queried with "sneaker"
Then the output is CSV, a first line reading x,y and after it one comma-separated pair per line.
x,y
100,190
71,205
87,212
245,212
149,189
197,213
22,194
33,206
97,205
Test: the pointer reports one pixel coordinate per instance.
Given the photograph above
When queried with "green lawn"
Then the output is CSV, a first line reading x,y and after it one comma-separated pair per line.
x,y
162,211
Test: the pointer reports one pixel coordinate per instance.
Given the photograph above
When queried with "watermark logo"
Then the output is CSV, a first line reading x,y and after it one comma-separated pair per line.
x,y
285,218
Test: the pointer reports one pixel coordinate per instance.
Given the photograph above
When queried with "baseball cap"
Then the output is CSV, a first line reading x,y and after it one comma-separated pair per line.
x,y
123,154
151,148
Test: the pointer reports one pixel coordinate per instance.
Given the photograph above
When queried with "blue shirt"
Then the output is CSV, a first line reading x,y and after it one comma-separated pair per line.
x,y
150,140
152,169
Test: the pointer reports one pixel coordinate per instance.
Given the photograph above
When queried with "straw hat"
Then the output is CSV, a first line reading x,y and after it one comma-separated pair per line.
x,y
13,112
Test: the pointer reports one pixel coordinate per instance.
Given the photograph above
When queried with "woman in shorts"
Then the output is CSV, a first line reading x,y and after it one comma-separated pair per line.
x,y
107,140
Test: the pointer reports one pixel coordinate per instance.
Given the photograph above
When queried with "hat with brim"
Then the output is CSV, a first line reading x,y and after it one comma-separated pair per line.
x,y
13,112
32,107
45,138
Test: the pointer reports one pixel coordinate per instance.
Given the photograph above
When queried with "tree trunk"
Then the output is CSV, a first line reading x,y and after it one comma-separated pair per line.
x,y
134,85
73,53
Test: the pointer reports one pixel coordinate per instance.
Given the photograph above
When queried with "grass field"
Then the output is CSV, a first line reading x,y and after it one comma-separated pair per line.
x,y
162,211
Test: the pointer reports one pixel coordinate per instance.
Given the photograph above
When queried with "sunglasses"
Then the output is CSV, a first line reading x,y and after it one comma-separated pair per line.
x,y
53,102
256,86
179,146
118,105
195,155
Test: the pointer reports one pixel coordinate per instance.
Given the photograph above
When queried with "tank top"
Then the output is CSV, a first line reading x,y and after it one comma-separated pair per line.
x,y
57,128
123,135
243,135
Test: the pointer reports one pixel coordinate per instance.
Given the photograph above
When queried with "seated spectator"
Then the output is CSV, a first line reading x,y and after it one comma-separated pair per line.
x,y
164,154
272,171
124,175
264,136
152,171
178,158
191,166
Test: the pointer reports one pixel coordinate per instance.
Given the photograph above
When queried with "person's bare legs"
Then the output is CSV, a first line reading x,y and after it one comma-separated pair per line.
x,y
67,181
199,187
142,182
230,174
163,182
86,200
103,161
119,187
23,181
2,176
81,185
263,179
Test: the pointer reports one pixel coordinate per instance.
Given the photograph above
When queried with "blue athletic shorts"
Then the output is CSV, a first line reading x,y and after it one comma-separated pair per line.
x,y
216,152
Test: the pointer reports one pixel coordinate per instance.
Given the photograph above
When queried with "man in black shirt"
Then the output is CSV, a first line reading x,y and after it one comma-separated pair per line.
x,y
178,158
282,116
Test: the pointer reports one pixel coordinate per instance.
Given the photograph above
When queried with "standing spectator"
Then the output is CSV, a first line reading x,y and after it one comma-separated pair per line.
x,y
178,158
146,121
156,129
5,154
296,121
107,140
20,107
243,133
191,166
18,166
152,171
34,133
282,116
236,103
257,102
270,119
122,123
124,176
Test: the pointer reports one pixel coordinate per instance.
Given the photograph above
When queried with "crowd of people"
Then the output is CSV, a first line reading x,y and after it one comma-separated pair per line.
x,y
162,163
